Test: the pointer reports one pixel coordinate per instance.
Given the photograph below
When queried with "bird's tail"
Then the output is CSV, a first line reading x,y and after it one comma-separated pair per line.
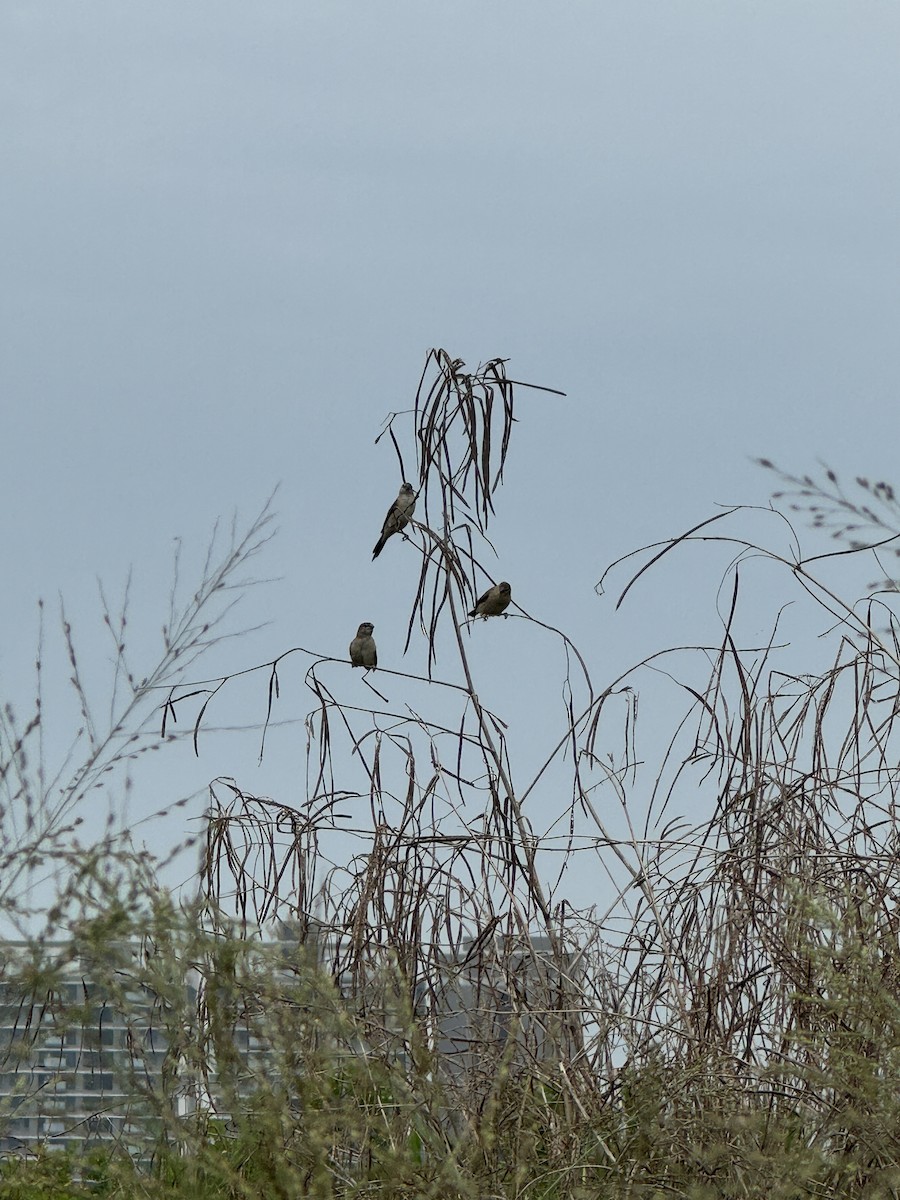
x,y
379,546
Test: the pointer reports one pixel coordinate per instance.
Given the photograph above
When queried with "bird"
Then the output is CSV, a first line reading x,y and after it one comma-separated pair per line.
x,y
397,516
362,648
493,602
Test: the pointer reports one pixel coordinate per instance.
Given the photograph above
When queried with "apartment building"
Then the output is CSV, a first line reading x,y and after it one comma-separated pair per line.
x,y
83,1061
73,1065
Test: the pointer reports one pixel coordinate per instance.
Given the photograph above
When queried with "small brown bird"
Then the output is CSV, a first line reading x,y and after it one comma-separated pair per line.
x,y
362,648
493,602
397,516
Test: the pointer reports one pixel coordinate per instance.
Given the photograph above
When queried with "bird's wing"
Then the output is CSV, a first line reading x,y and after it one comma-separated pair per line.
x,y
390,521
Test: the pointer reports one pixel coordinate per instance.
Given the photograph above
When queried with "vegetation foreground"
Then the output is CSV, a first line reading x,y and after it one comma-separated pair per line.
x,y
434,1020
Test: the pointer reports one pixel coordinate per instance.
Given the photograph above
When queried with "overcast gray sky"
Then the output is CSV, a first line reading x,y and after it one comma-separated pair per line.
x,y
232,231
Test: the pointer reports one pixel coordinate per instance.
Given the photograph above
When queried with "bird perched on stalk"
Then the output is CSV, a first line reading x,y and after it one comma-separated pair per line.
x,y
493,602
362,648
397,516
